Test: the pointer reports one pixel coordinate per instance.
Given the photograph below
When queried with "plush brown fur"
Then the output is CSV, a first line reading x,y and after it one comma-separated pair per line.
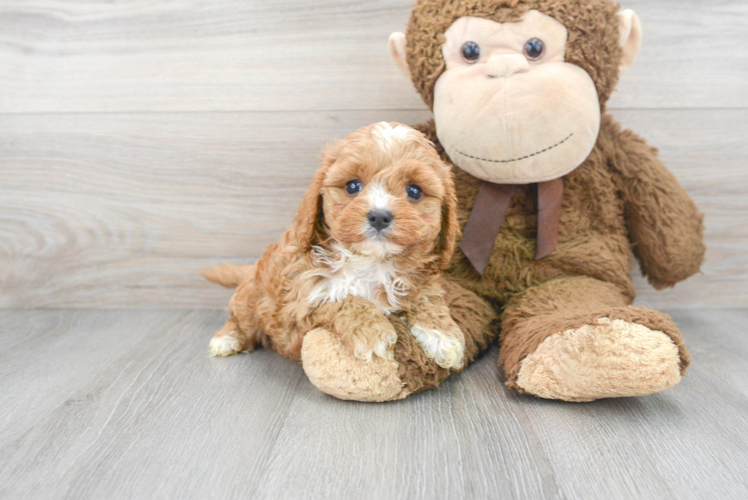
x,y
621,198
592,44
475,317
288,292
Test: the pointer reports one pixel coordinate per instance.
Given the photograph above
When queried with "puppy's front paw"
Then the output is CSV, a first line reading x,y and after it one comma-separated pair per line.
x,y
447,349
366,343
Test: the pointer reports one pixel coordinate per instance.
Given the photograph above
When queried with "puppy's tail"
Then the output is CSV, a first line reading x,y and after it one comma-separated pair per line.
x,y
227,275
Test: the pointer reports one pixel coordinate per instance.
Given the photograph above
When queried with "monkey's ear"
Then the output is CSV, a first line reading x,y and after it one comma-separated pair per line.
x,y
630,37
397,52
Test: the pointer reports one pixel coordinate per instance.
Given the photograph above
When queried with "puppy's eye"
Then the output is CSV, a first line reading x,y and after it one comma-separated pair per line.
x,y
470,52
414,192
353,187
534,49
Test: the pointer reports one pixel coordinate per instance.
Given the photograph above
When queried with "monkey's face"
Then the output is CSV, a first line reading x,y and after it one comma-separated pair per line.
x,y
508,109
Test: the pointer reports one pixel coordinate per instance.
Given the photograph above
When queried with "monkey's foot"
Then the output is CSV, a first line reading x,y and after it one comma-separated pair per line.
x,y
334,371
613,358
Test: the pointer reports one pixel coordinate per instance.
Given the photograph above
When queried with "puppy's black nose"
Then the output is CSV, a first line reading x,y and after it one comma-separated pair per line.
x,y
379,218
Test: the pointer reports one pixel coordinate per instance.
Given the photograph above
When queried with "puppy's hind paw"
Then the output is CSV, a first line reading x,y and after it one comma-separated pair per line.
x,y
224,345
447,351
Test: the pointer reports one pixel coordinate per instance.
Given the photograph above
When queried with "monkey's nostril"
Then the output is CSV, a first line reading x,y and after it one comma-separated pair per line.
x,y
379,218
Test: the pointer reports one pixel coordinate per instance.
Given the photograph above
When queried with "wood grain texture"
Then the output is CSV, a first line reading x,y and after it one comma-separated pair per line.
x,y
236,55
49,355
159,419
163,409
111,210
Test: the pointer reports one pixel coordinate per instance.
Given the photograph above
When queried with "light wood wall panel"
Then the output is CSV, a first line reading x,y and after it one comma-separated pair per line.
x,y
238,55
143,140
109,210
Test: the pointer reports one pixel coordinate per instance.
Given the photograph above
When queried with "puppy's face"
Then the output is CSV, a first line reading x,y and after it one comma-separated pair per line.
x,y
385,192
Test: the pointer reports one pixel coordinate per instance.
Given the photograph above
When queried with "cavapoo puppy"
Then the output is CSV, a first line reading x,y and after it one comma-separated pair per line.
x,y
370,236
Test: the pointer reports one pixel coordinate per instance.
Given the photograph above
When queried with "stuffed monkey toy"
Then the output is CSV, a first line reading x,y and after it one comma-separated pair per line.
x,y
553,197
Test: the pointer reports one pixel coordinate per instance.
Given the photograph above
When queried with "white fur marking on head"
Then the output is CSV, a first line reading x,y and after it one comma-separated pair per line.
x,y
351,275
378,197
387,135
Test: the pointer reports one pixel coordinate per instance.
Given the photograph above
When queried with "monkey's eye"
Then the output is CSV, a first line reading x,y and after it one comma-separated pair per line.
x,y
353,187
534,49
470,52
414,192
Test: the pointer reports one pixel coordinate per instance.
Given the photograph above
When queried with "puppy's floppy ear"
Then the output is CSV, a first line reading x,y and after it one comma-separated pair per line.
x,y
309,215
450,227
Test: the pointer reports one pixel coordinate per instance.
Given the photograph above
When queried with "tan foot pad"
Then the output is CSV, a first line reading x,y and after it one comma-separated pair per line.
x,y
339,374
612,359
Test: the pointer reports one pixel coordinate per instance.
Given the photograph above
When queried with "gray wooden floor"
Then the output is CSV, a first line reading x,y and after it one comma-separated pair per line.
x,y
126,404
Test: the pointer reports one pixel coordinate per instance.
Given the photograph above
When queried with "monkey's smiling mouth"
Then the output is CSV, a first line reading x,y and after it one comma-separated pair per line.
x,y
520,158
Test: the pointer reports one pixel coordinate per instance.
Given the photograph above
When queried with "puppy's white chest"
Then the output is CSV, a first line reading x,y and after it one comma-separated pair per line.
x,y
365,282
376,282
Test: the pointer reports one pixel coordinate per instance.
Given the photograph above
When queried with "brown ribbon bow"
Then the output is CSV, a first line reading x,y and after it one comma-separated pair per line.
x,y
488,214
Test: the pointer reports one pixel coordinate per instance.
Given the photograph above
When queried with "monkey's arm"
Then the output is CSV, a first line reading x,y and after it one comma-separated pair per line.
x,y
665,226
